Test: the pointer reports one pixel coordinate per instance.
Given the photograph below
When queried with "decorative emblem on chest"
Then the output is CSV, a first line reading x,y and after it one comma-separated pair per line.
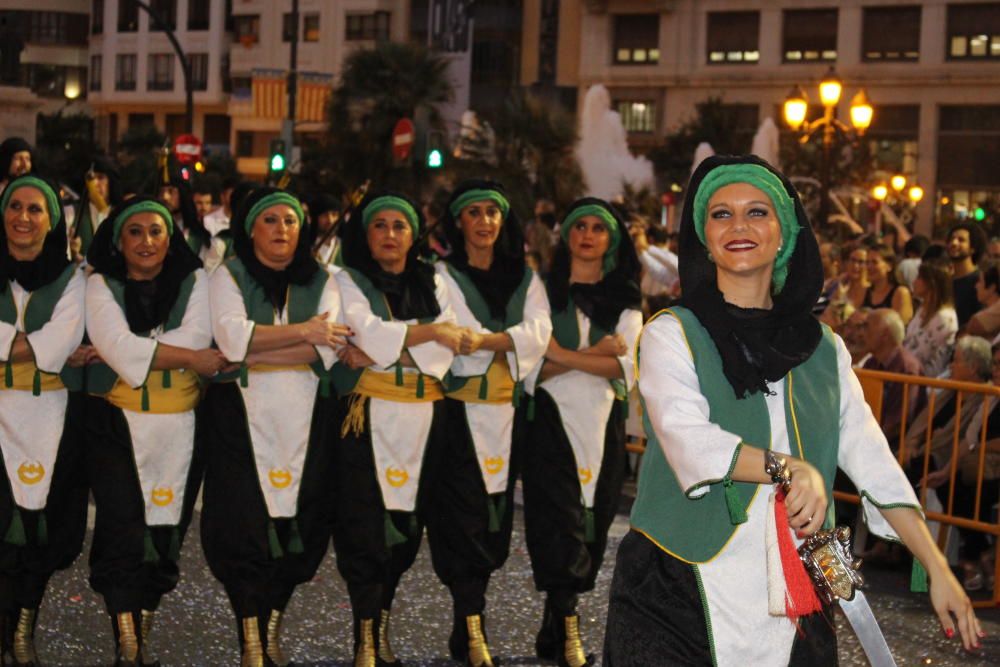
x,y
279,478
396,477
30,472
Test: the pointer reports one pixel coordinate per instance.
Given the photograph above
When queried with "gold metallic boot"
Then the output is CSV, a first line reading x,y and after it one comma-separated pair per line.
x,y
385,654
573,655
479,652
253,650
364,653
274,639
127,651
145,630
23,647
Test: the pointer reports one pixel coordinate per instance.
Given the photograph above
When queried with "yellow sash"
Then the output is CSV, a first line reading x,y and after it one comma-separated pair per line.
x,y
383,385
499,385
182,394
268,368
24,378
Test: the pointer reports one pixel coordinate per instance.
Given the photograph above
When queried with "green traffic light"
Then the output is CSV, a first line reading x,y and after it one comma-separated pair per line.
x,y
277,162
435,159
980,214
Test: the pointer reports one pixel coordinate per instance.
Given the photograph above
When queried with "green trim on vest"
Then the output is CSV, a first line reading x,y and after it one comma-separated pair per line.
x,y
37,313
101,378
697,529
302,304
513,316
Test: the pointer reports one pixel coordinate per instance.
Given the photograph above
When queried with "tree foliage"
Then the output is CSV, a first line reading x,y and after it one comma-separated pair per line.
x,y
65,143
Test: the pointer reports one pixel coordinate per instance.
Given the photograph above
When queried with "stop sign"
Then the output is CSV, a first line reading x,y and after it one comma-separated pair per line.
x,y
403,136
187,148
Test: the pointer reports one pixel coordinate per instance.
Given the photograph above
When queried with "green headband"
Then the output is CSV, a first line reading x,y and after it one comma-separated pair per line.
x,y
145,206
611,254
767,182
51,198
268,201
470,196
396,204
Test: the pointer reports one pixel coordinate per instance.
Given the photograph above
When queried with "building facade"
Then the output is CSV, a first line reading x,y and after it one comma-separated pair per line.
x,y
931,70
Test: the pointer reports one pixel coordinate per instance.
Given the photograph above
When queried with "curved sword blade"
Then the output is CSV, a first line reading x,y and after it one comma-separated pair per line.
x,y
862,620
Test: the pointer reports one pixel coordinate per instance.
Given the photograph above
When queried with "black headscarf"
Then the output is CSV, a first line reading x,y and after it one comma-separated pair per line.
x,y
318,205
51,261
147,302
8,148
104,165
497,284
757,346
275,283
188,211
603,301
411,293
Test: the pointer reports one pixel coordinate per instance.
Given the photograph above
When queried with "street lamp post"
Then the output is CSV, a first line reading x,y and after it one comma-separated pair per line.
x,y
796,109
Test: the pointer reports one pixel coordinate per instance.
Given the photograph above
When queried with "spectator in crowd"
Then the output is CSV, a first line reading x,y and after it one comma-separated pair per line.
x,y
830,255
15,160
966,245
913,251
539,234
986,322
935,251
852,330
993,248
975,554
851,289
660,278
930,335
324,210
884,291
203,200
884,336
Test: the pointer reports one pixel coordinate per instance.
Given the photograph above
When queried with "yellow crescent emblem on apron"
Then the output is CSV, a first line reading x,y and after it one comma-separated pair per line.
x,y
585,475
396,477
494,464
279,478
30,472
162,496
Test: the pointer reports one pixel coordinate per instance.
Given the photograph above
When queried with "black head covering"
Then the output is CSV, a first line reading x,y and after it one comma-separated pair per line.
x,y
105,165
189,212
757,346
603,301
501,280
275,283
319,204
49,264
8,148
411,293
147,302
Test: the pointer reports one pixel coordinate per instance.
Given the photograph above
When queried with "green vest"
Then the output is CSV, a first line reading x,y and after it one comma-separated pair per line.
x,y
84,226
346,378
513,315
101,378
37,313
697,529
566,331
303,303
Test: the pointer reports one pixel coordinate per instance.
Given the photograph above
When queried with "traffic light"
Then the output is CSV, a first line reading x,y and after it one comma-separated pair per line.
x,y
276,163
435,150
979,214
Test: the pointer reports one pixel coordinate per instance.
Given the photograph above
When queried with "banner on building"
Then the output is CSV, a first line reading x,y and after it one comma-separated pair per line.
x,y
270,95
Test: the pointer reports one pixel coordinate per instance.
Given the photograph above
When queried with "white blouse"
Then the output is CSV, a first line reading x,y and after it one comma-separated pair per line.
x,y
932,343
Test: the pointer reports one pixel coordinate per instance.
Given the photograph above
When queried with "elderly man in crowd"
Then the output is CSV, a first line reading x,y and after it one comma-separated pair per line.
x,y
884,332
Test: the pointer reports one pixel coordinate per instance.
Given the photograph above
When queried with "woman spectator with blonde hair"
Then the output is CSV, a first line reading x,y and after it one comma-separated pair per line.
x,y
930,335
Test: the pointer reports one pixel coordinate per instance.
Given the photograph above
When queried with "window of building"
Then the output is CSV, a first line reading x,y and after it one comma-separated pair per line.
x,y
242,87
95,73
637,39
288,27
58,28
310,28
125,71
974,31
128,16
176,125
733,37
166,10
891,33
217,130
638,116
367,26
809,34
968,143
97,17
198,14
892,138
199,70
244,144
247,28
138,120
161,71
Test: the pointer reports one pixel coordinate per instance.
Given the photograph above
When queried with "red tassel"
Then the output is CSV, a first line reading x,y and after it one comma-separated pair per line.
x,y
801,599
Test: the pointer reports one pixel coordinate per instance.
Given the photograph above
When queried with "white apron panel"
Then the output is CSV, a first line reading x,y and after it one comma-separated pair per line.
x,y
163,445
30,444
279,407
492,428
585,402
399,440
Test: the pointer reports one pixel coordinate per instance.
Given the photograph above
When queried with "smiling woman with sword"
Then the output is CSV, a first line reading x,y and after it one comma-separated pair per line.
x,y
743,387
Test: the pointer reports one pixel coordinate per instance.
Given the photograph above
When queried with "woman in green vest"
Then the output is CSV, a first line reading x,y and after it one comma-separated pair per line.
x,y
43,500
738,377
574,457
148,319
390,407
265,524
503,304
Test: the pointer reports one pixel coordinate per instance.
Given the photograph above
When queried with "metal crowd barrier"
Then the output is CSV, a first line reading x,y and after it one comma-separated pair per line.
x,y
873,384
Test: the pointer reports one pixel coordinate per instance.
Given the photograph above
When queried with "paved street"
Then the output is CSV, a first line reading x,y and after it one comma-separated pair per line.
x,y
195,626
